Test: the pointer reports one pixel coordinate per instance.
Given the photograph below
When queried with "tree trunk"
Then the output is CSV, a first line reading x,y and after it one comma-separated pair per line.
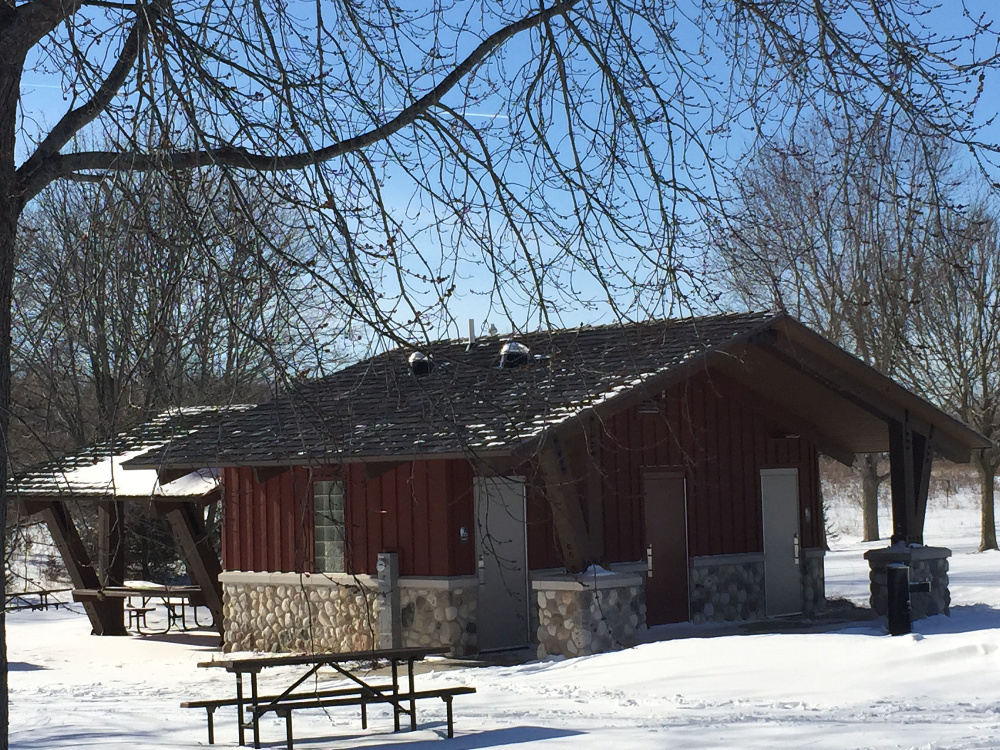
x,y
8,228
870,482
986,465
11,204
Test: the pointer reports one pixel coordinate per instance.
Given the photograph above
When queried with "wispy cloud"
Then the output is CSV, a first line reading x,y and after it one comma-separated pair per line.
x,y
36,85
490,115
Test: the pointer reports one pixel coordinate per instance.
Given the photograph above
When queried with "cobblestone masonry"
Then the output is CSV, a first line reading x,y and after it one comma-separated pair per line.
x,y
440,617
926,564
341,616
813,582
288,617
726,588
586,620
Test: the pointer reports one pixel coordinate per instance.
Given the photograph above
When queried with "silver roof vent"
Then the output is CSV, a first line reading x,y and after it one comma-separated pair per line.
x,y
513,354
420,363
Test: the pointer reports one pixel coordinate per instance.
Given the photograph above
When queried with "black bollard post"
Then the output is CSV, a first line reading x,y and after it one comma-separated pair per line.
x,y
897,582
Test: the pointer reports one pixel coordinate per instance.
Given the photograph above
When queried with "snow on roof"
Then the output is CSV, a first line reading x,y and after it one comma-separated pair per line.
x,y
97,471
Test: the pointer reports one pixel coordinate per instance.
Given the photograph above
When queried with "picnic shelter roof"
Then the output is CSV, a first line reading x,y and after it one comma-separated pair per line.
x,y
96,471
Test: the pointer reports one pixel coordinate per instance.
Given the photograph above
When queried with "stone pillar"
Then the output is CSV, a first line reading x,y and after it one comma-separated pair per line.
x,y
390,631
589,614
727,588
926,564
440,612
813,581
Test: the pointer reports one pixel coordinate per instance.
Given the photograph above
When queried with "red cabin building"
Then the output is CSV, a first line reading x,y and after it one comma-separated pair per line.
x,y
563,488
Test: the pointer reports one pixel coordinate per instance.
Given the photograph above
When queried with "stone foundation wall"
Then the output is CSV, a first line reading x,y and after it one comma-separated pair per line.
x,y
440,617
730,588
576,619
299,617
813,582
926,564
286,612
727,588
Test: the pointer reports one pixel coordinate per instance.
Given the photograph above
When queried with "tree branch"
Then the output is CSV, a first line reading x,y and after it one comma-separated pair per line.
x,y
40,163
34,20
56,166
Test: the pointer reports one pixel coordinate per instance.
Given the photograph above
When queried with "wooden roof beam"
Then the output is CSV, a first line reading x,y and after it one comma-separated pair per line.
x,y
262,474
166,475
954,438
375,469
879,403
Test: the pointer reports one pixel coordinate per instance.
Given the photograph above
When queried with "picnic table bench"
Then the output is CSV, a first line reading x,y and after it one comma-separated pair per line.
x,y
285,708
136,615
211,705
291,699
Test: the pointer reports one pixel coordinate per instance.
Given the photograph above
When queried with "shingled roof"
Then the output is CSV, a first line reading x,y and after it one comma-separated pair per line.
x,y
378,409
96,471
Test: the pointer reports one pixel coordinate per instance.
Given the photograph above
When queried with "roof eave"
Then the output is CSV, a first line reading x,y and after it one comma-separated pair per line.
x,y
959,439
323,460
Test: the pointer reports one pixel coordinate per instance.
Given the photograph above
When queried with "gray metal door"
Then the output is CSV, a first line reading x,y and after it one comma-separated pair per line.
x,y
779,497
501,549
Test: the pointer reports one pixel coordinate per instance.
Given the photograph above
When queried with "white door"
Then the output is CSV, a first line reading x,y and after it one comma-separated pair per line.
x,y
779,497
501,550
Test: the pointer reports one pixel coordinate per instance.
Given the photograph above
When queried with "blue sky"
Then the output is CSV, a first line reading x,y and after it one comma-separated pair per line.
x,y
44,102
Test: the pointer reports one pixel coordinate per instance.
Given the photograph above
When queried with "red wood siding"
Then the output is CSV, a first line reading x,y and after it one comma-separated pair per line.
x,y
268,525
416,510
708,428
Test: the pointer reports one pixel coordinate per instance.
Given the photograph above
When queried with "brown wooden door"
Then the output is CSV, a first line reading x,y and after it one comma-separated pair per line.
x,y
666,538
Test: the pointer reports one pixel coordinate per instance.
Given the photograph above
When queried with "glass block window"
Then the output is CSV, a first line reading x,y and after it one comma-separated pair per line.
x,y
328,509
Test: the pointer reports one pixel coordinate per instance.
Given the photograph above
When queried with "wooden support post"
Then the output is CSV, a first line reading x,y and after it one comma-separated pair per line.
x,y
106,617
111,550
188,526
571,491
923,457
910,458
900,478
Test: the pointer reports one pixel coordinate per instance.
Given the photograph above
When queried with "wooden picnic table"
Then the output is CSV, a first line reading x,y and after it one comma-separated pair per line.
x,y
35,599
175,600
344,664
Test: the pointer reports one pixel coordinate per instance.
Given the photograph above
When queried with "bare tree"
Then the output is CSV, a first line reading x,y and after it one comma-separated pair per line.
x,y
840,228
956,341
606,128
145,293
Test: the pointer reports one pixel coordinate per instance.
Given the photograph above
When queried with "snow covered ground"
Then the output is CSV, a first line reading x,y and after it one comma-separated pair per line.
x,y
850,686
